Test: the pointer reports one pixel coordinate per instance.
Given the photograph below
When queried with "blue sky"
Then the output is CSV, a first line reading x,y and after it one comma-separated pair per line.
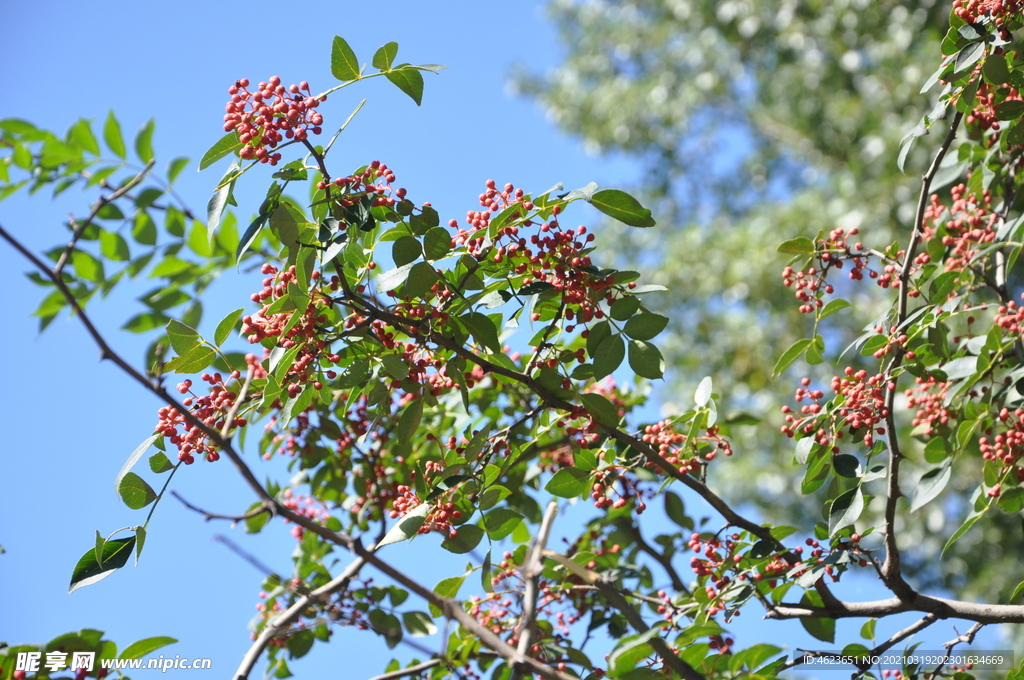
x,y
71,421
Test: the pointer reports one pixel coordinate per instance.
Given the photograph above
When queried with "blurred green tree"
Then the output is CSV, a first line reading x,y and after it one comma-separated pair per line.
x,y
755,122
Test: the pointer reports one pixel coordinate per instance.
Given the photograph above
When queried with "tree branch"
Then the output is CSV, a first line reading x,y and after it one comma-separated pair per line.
x,y
411,670
615,598
532,568
891,572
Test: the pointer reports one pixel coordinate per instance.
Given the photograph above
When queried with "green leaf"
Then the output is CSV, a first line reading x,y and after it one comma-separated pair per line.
x,y
144,141
822,629
834,306
624,307
386,624
501,522
135,491
493,495
483,330
395,366
344,64
406,249
226,325
222,147
845,510
80,134
418,624
800,245
183,338
602,410
703,394
141,648
393,278
249,237
968,56
407,526
140,542
931,485
88,569
409,421
609,355
437,243
645,326
87,266
215,206
965,527
175,167
676,511
645,359
568,483
114,247
467,537
960,368
630,651
867,631
385,56
791,355
193,362
409,81
622,207
132,460
159,462
112,136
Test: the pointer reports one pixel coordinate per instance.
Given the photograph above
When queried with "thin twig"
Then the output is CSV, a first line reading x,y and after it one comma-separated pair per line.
x,y
212,515
79,227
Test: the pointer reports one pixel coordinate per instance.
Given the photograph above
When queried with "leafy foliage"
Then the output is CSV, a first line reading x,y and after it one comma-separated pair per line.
x,y
384,364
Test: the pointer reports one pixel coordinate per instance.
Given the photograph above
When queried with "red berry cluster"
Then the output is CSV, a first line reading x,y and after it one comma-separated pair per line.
x,y
552,255
376,180
307,506
439,519
969,225
1010,317
608,484
267,324
999,10
210,409
1006,447
863,407
810,285
269,115
720,564
929,398
983,116
865,401
673,446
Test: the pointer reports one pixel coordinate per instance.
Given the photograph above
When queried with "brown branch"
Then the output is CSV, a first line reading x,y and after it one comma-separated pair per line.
x,y
616,599
666,564
278,624
941,607
532,568
106,353
898,637
411,670
892,574
966,638
79,227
